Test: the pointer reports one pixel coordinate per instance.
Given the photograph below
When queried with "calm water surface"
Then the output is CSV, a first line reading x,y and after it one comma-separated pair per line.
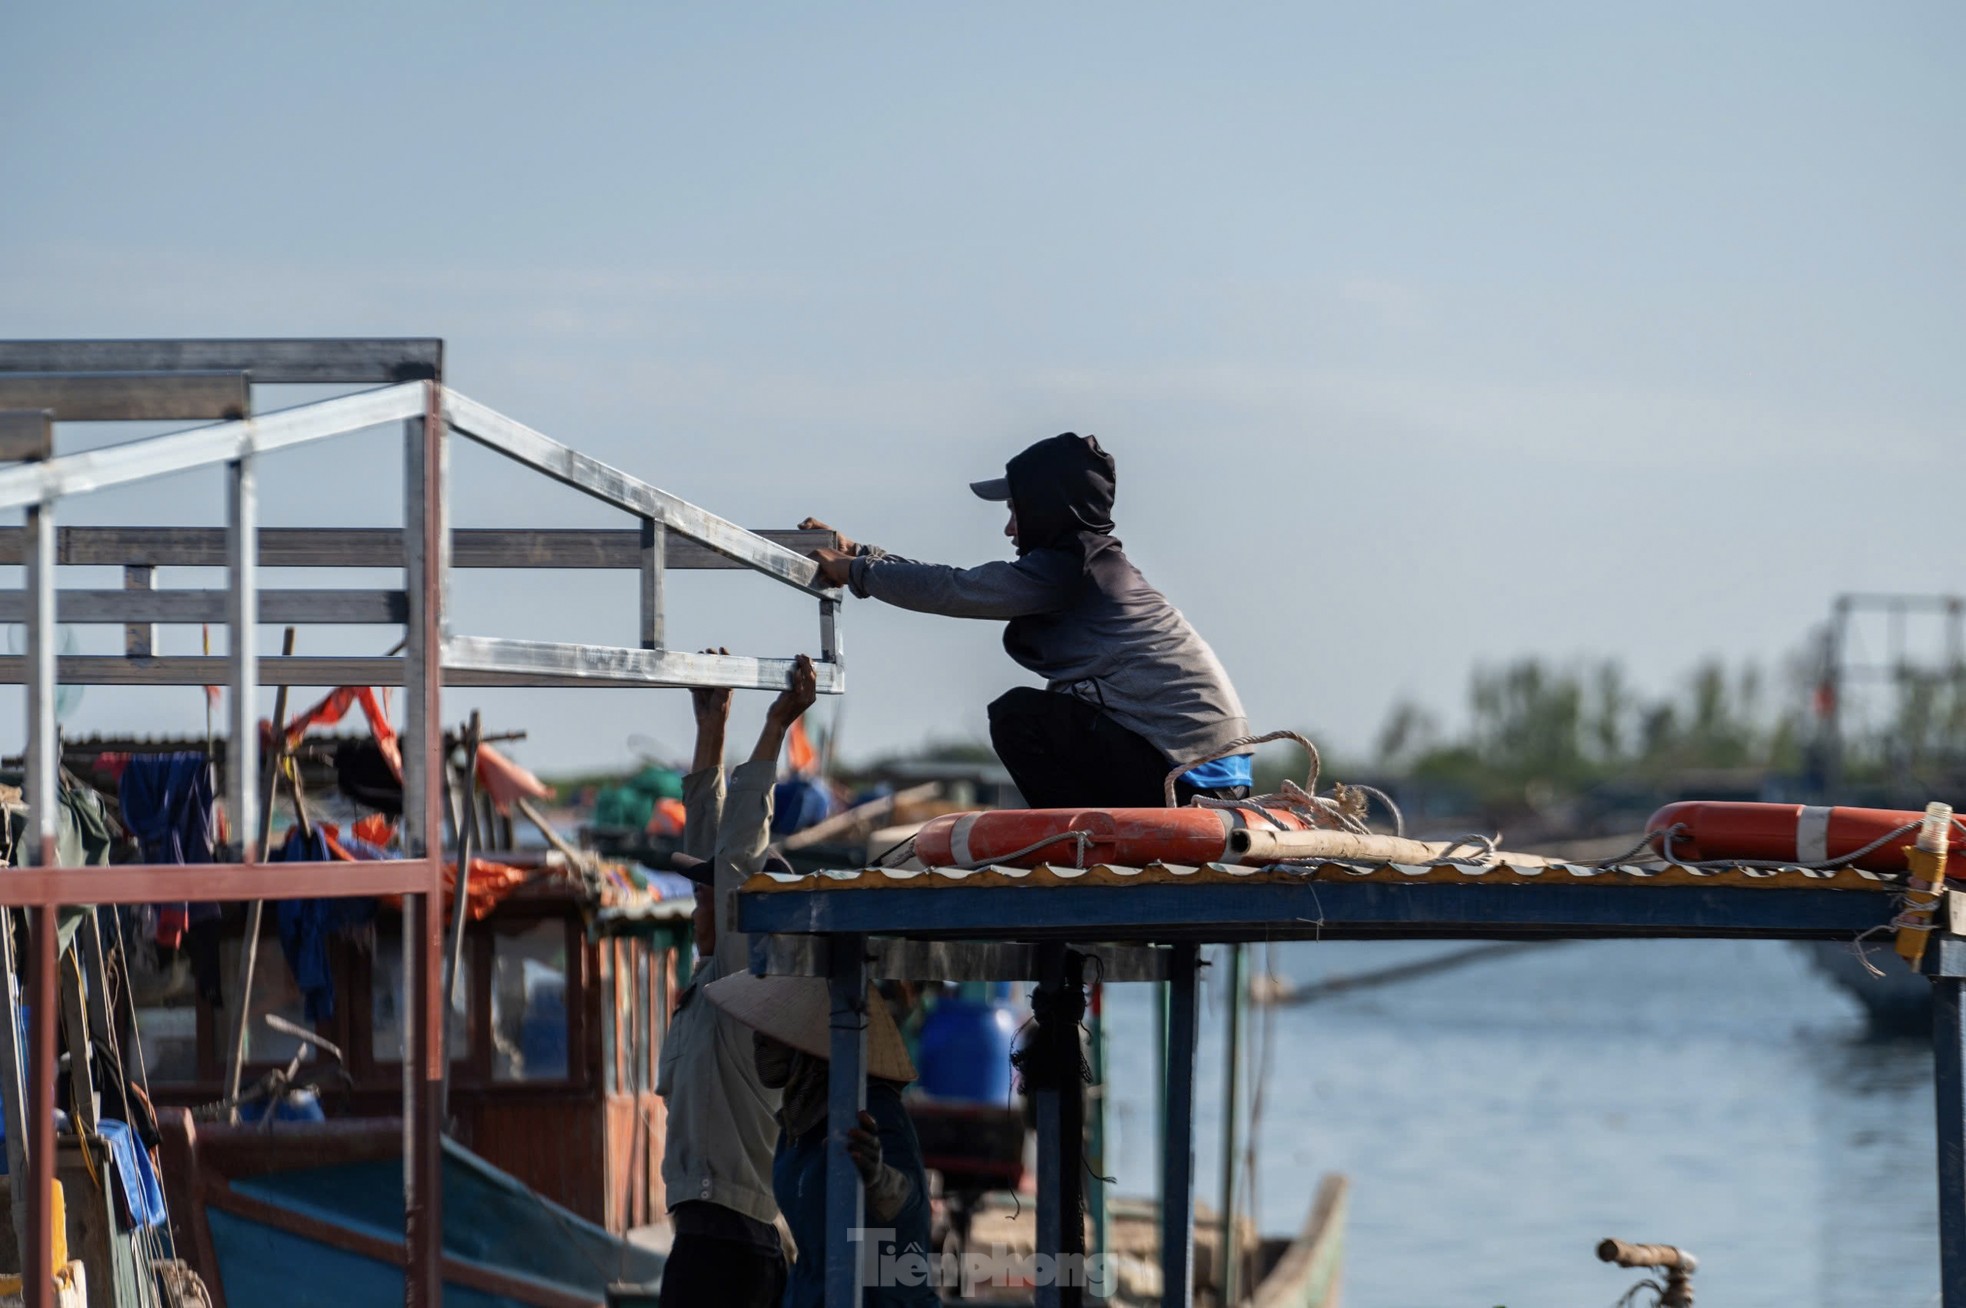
x,y
1497,1121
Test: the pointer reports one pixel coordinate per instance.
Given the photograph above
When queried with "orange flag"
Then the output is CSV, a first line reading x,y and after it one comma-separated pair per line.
x,y
799,753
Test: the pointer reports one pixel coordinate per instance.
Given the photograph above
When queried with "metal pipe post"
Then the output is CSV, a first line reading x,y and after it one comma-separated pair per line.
x,y
38,1269
44,796
1949,1083
655,566
242,651
425,555
1055,1153
1229,1256
1096,1136
1177,1226
847,1241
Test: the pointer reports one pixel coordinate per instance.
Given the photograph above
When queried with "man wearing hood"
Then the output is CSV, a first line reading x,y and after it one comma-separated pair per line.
x,y
1131,691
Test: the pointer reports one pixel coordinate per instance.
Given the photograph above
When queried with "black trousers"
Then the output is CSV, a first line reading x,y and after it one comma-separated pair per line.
x,y
706,1272
1066,753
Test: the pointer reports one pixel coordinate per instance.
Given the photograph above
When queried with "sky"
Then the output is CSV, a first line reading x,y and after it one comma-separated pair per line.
x,y
1426,336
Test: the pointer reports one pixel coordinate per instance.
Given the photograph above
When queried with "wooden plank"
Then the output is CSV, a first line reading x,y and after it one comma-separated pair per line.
x,y
26,435
268,359
128,396
570,549
143,883
142,607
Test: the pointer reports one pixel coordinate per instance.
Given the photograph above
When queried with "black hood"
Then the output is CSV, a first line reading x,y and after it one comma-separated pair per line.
x,y
1061,489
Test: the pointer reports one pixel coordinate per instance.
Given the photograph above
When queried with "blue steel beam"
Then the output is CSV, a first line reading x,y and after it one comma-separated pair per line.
x,y
1316,910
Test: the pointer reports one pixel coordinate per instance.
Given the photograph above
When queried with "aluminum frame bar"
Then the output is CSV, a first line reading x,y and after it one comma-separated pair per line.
x,y
623,665
331,360
242,653
562,548
627,492
117,465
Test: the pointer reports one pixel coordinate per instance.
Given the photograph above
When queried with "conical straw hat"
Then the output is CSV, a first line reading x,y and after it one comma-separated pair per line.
x,y
797,1011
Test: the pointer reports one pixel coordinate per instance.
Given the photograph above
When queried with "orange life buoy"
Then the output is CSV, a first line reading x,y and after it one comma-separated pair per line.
x,y
1130,837
1802,833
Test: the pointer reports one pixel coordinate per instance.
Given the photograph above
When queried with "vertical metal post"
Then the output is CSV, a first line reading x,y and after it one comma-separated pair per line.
x,y
1056,1154
655,561
1229,1255
139,638
242,651
426,542
1949,1084
44,796
829,630
1177,1227
846,1244
38,1264
1096,1140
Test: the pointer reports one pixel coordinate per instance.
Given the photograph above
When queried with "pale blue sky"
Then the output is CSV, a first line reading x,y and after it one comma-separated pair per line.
x,y
1423,334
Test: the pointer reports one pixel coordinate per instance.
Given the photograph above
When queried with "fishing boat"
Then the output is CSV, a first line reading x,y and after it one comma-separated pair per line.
x,y
310,1213
1304,1270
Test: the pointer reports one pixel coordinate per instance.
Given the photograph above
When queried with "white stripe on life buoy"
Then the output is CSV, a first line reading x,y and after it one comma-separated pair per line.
x,y
1812,835
959,839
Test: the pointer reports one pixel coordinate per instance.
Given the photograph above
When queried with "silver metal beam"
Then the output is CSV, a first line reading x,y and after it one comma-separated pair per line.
x,y
128,396
572,549
331,360
139,606
242,653
576,664
613,486
116,465
327,671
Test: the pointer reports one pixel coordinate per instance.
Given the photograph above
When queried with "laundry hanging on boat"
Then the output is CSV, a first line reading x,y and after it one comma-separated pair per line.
x,y
169,805
307,925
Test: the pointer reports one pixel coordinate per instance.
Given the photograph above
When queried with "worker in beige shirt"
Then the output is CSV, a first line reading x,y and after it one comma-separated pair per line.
x,y
717,1159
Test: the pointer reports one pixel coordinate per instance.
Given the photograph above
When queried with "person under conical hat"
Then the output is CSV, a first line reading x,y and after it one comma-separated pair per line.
x,y
798,1011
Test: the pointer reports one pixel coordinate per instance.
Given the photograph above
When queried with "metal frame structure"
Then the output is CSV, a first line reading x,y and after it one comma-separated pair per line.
x,y
1159,929
45,382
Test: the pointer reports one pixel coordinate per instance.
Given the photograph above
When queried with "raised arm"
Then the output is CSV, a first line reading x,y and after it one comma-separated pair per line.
x,y
703,788
746,829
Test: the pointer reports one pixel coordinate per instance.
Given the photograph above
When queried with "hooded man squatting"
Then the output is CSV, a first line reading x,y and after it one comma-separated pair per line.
x,y
1131,692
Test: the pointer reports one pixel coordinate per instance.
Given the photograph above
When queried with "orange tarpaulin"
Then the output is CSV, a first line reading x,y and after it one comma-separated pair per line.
x,y
335,707
491,882
505,781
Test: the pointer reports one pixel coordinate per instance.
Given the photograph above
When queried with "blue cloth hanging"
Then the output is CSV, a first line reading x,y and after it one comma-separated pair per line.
x,y
138,1187
168,807
306,925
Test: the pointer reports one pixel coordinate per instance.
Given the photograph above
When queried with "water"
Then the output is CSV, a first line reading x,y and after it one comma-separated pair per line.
x,y
1498,1120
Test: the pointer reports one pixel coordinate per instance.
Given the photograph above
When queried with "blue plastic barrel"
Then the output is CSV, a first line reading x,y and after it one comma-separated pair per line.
x,y
965,1052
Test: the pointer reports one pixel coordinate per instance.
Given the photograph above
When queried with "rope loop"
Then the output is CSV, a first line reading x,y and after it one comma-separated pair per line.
x,y
1237,746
